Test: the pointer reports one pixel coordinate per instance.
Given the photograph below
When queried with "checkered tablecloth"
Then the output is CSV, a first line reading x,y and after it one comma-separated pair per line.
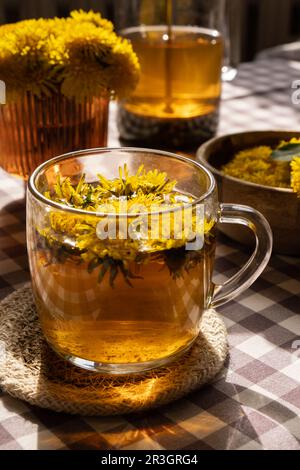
x,y
255,402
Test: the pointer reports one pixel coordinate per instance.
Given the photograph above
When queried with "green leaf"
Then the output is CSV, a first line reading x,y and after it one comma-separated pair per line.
x,y
93,264
102,273
124,271
113,275
88,199
286,153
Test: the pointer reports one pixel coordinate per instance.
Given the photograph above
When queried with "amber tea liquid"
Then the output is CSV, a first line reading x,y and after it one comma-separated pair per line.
x,y
180,82
155,318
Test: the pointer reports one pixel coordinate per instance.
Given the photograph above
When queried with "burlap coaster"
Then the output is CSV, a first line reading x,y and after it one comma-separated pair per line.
x,y
29,370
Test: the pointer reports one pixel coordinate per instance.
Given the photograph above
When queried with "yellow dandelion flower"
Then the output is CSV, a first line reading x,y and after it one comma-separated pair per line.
x,y
146,191
80,56
295,175
76,236
256,166
98,62
25,58
91,17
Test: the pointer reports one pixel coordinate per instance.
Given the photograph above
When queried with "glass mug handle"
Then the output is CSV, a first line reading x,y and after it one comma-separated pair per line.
x,y
244,215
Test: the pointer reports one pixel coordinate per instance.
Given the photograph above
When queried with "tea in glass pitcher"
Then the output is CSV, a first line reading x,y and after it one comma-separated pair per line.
x,y
177,99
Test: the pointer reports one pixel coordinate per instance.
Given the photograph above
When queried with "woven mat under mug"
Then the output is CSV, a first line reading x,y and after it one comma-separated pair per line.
x,y
31,371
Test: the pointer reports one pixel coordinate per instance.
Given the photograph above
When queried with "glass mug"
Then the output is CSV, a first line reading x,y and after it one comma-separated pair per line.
x,y
154,315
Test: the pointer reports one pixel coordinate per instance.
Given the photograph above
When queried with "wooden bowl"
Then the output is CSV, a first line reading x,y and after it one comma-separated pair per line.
x,y
279,205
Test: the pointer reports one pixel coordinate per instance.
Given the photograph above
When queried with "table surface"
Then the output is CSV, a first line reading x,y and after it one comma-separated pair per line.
x,y
255,402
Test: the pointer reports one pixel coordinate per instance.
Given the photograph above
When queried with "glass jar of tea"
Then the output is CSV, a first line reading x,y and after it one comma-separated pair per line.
x,y
180,48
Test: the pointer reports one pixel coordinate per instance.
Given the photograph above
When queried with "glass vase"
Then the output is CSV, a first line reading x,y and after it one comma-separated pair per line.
x,y
34,129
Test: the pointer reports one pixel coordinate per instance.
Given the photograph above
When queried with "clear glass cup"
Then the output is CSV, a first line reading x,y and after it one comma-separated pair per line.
x,y
180,46
117,316
232,40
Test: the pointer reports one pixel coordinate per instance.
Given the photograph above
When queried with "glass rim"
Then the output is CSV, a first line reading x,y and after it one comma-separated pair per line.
x,y
66,156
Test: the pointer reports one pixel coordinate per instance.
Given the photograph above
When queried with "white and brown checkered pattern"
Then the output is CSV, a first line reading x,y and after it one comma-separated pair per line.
x,y
255,402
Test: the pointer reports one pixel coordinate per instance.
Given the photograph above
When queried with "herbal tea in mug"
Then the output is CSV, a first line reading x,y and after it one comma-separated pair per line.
x,y
121,255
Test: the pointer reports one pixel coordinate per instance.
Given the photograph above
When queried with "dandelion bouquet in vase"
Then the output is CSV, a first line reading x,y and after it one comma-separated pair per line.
x,y
59,74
